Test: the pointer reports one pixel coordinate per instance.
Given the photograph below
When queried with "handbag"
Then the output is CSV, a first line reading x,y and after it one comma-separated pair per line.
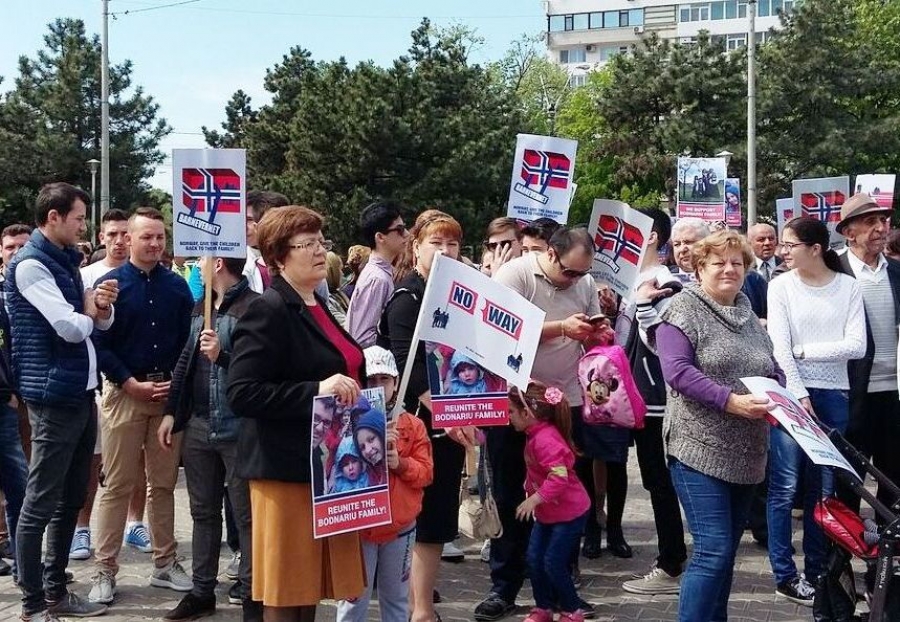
x,y
479,519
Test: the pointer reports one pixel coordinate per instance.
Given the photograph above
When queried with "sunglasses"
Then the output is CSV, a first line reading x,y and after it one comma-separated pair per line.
x,y
492,246
569,273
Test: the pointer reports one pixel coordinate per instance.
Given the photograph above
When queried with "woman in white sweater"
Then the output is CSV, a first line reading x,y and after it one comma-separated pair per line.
x,y
817,323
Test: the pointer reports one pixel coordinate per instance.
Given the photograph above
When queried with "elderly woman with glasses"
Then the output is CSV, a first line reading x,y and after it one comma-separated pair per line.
x,y
288,349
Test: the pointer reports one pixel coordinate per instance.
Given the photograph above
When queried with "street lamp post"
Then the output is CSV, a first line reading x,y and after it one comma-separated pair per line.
x,y
104,110
95,213
751,115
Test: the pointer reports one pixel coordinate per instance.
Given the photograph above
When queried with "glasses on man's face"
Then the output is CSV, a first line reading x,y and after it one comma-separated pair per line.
x,y
570,273
312,245
492,246
790,246
401,229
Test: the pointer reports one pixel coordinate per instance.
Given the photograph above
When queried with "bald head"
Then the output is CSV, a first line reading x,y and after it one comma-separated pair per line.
x,y
763,240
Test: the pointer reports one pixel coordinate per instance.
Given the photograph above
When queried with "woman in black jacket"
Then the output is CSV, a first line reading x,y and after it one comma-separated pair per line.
x,y
288,349
438,522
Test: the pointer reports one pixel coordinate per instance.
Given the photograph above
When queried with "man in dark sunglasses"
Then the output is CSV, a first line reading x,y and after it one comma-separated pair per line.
x,y
385,233
503,243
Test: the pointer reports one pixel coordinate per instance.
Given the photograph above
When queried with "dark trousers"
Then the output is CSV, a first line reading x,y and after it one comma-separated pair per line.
x,y
506,455
13,468
62,445
876,437
232,535
584,469
207,468
658,482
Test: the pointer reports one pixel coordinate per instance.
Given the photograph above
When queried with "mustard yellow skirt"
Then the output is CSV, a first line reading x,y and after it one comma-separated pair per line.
x,y
290,567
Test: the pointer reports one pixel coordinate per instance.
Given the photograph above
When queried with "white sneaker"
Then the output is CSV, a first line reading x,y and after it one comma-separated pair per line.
x,y
173,577
103,589
486,551
657,581
81,545
452,553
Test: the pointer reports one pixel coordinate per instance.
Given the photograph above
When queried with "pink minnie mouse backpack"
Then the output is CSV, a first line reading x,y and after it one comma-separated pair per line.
x,y
611,396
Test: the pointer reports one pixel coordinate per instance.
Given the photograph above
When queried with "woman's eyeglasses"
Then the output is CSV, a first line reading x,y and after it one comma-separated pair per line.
x,y
312,245
790,246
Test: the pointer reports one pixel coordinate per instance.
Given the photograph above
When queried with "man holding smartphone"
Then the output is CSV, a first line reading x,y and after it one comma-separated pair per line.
x,y
138,355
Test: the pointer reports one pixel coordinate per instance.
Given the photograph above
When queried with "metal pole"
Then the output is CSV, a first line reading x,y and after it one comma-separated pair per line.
x,y
751,116
94,213
104,110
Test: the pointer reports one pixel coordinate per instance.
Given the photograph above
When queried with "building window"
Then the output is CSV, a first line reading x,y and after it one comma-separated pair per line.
x,y
575,55
611,19
742,8
578,79
580,21
636,17
730,9
763,8
789,6
596,20
607,53
736,41
570,22
557,23
717,10
694,13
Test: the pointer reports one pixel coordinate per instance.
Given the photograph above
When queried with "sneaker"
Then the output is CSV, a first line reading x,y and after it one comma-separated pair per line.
x,y
40,616
575,616
137,537
539,615
452,553
234,566
486,552
192,607
493,608
173,577
657,581
73,606
81,545
797,590
103,589
234,594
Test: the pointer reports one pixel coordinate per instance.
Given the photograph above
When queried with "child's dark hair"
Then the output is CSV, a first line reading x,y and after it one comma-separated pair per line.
x,y
535,399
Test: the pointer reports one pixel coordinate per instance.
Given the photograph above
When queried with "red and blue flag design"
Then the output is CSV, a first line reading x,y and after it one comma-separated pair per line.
x,y
211,190
618,239
824,206
545,169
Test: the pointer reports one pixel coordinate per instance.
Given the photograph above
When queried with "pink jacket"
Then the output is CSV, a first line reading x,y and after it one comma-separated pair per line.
x,y
551,474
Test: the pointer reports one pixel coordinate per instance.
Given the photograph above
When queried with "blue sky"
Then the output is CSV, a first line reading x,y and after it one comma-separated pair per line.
x,y
191,58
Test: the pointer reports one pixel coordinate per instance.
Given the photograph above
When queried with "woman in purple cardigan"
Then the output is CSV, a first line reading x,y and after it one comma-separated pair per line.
x,y
716,433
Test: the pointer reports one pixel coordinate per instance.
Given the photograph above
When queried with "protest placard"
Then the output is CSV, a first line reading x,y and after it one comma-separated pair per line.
x,y
701,188
879,187
822,199
487,323
463,392
794,419
348,463
784,211
620,236
733,202
209,202
541,185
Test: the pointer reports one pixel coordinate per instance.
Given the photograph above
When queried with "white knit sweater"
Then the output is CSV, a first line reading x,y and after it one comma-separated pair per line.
x,y
828,322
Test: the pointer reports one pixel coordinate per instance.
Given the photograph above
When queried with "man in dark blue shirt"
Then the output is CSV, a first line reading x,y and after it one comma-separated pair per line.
x,y
138,355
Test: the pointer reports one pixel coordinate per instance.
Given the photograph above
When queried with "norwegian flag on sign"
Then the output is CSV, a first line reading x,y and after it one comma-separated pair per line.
x,y
618,239
545,169
211,190
824,206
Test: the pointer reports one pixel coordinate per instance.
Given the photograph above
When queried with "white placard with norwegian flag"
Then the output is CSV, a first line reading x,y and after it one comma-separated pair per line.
x,y
784,211
541,185
620,236
481,318
879,187
209,202
822,199
794,419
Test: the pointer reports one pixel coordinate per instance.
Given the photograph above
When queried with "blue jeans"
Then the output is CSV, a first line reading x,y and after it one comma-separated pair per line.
x,y
13,468
550,550
62,446
786,461
716,512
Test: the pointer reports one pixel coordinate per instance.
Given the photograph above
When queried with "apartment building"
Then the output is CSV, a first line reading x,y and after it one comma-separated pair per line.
x,y
585,34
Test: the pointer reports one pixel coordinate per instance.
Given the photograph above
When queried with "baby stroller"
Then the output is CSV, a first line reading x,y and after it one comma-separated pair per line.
x,y
851,536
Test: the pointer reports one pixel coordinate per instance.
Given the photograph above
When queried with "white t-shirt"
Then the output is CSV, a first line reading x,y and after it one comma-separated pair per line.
x,y
92,273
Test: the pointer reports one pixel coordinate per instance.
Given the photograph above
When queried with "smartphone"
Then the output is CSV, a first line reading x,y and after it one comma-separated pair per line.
x,y
597,319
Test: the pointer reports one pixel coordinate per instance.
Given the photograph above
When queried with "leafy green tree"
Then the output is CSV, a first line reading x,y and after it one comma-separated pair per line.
x,y
50,123
829,99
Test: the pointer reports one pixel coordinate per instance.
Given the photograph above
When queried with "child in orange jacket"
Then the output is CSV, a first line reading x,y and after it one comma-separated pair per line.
x,y
387,549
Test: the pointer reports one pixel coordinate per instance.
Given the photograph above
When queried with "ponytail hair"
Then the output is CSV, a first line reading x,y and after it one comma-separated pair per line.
x,y
547,404
812,231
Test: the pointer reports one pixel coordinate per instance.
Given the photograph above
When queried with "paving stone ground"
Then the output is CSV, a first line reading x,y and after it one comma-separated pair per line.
x,y
463,585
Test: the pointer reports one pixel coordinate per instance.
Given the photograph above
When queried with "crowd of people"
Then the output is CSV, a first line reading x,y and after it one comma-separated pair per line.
x,y
110,374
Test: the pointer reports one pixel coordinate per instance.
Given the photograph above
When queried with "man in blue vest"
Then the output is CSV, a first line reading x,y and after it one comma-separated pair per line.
x,y
54,364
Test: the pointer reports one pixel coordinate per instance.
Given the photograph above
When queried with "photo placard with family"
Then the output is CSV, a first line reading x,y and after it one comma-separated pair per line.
x,y
347,456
